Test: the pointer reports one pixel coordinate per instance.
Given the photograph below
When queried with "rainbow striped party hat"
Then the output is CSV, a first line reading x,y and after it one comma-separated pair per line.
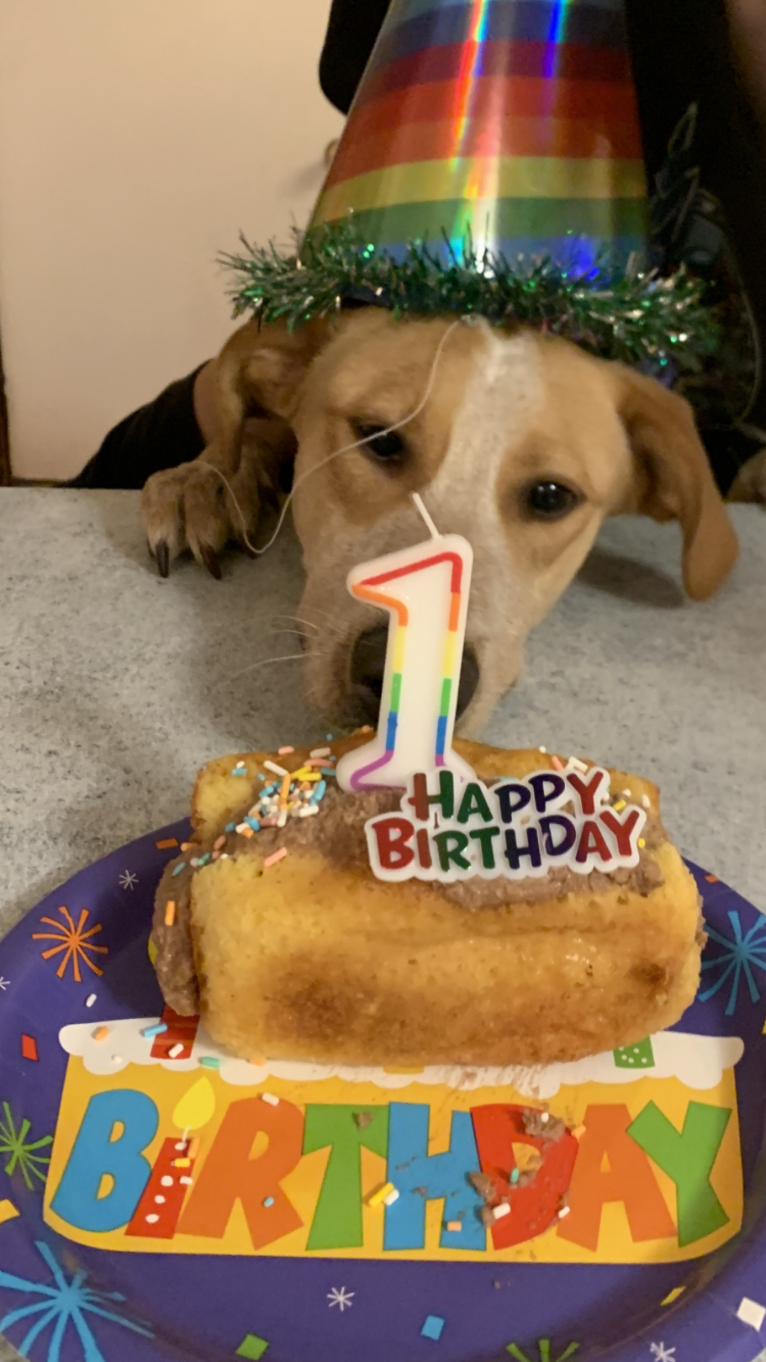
x,y
512,124
491,164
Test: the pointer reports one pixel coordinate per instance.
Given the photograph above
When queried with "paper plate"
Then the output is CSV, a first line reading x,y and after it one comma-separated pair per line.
x,y
264,1241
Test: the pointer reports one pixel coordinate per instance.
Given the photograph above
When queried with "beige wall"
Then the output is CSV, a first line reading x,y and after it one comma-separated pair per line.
x,y
136,138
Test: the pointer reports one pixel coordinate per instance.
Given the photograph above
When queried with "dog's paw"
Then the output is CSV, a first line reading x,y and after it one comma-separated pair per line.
x,y
750,482
193,507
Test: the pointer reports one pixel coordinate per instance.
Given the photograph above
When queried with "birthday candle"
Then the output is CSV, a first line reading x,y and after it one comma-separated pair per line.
x,y
425,590
159,1209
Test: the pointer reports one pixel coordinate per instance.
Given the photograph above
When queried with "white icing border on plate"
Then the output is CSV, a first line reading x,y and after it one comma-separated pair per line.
x,y
698,1062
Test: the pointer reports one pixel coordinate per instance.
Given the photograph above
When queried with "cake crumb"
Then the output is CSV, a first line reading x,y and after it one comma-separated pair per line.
x,y
483,1184
542,1124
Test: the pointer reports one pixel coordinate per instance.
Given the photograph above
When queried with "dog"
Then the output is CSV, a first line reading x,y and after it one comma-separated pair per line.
x,y
520,441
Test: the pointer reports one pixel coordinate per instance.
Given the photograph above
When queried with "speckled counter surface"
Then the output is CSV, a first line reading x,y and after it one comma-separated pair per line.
x,y
116,686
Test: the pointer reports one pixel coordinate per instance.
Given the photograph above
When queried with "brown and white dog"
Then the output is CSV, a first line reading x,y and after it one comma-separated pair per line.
x,y
524,445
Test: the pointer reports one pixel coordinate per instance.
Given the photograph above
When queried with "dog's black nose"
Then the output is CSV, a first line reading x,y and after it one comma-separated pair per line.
x,y
368,661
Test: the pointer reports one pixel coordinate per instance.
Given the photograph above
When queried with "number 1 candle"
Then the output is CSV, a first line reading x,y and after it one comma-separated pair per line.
x,y
425,590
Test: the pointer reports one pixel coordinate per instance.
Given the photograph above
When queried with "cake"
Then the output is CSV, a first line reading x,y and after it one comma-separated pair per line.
x,y
272,926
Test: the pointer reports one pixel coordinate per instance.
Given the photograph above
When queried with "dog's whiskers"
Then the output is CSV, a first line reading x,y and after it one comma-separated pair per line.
x,y
267,662
327,627
297,618
329,624
274,633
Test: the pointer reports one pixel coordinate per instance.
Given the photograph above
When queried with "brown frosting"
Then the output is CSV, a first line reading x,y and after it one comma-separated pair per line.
x,y
337,834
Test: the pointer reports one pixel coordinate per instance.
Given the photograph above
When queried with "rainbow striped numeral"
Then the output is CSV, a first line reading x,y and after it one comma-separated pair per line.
x,y
425,590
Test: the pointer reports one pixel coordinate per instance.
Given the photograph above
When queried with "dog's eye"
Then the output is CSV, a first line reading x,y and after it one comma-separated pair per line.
x,y
386,445
548,500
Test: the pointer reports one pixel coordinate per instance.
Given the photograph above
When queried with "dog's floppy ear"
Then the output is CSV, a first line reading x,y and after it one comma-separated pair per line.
x,y
271,363
672,479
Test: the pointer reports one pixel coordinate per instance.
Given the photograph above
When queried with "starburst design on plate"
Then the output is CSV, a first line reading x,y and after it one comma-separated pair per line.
x,y
128,880
75,942
21,1151
662,1354
544,1352
341,1297
62,1303
737,958
4,984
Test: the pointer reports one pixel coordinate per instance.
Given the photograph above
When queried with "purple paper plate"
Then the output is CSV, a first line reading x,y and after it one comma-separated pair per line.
x,y
64,1300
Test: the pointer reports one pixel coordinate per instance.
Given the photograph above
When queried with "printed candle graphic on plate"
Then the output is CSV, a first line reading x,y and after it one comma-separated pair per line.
x,y
425,590
159,1209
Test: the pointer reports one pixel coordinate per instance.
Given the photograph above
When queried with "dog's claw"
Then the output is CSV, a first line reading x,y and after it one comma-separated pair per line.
x,y
210,560
163,558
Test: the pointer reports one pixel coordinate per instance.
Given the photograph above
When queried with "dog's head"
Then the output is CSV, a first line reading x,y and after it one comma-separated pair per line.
x,y
524,444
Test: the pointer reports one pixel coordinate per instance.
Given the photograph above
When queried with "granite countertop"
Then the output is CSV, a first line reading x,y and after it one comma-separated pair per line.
x,y
116,686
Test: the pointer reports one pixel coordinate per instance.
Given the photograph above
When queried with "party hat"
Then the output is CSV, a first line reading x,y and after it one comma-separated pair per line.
x,y
491,164
510,123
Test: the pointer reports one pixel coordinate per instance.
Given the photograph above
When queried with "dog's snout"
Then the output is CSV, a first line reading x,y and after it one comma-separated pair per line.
x,y
469,680
368,662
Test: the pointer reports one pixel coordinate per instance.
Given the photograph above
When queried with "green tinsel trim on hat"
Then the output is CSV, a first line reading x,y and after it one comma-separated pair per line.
x,y
636,317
